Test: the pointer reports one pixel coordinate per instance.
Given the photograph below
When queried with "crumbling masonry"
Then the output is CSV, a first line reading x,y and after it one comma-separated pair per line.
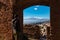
x,y
5,19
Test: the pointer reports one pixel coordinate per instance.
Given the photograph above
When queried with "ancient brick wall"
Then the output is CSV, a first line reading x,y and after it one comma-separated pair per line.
x,y
6,19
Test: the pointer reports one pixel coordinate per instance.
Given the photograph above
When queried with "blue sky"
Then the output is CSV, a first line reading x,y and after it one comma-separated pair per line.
x,y
38,11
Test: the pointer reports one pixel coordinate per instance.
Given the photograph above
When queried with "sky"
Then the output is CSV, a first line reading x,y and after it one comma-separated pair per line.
x,y
37,11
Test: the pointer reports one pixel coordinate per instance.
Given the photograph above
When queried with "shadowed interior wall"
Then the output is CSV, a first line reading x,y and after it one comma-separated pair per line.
x,y
55,19
6,20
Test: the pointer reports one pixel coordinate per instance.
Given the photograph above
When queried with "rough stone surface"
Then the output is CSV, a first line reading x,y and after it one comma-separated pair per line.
x,y
6,20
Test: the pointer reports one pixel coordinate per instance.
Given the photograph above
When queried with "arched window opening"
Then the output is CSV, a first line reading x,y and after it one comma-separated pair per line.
x,y
36,22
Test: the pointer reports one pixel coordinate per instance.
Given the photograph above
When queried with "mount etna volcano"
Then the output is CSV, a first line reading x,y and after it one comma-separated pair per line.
x,y
35,21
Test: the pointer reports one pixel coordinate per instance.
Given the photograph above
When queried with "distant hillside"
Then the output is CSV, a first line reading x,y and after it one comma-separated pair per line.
x,y
35,21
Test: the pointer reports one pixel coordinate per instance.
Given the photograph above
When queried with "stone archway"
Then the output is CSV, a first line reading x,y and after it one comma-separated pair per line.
x,y
22,4
18,8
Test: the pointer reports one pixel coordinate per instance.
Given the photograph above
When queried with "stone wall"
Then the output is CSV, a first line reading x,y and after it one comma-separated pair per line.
x,y
6,19
32,31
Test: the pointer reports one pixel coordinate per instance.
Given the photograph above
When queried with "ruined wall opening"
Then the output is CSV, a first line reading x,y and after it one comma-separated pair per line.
x,y
36,22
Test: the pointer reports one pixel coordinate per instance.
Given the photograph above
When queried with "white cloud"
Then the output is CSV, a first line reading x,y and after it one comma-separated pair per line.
x,y
27,17
35,8
38,17
33,17
37,5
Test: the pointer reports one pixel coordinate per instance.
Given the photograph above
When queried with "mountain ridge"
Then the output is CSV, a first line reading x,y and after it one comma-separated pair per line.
x,y
34,20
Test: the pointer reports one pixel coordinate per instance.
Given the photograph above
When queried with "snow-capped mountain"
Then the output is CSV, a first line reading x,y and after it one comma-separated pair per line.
x,y
34,20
